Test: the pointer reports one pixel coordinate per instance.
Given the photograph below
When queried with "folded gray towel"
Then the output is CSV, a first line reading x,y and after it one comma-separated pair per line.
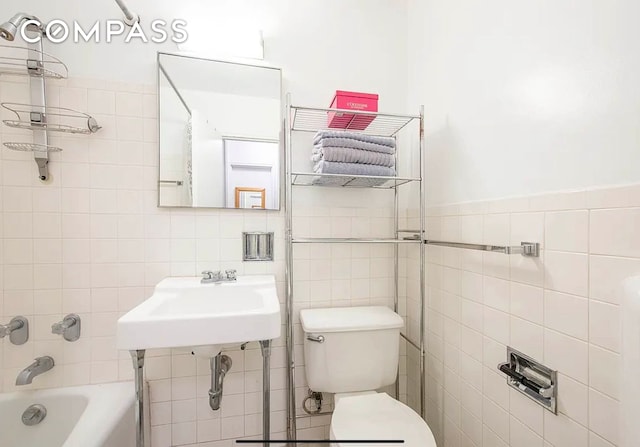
x,y
330,167
383,141
349,155
354,144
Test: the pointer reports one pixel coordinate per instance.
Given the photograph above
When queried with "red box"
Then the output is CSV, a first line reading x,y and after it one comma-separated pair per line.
x,y
367,102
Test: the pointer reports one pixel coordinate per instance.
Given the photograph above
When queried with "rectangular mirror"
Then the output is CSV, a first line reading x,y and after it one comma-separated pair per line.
x,y
219,126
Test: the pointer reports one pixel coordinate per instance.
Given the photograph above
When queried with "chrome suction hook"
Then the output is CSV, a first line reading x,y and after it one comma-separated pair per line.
x,y
43,168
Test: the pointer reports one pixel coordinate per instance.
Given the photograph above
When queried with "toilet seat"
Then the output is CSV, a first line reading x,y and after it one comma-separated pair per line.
x,y
371,416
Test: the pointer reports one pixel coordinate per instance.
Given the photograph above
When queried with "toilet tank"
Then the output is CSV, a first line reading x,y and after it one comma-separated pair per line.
x,y
349,349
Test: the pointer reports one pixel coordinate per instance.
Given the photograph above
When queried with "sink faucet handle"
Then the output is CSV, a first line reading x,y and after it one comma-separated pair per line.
x,y
231,274
207,274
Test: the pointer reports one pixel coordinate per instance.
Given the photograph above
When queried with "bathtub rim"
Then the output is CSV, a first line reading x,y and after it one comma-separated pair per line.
x,y
108,404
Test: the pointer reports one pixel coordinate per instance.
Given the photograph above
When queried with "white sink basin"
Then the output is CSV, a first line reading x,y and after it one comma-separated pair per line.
x,y
182,312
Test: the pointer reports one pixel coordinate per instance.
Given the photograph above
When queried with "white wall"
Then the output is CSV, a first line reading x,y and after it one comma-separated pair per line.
x,y
523,98
300,37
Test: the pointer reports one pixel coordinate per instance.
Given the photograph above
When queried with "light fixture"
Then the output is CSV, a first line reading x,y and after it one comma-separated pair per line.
x,y
223,41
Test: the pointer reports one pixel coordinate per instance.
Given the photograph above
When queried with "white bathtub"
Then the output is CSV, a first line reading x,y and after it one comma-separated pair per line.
x,y
83,416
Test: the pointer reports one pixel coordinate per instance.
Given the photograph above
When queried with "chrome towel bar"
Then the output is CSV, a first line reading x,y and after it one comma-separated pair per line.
x,y
531,249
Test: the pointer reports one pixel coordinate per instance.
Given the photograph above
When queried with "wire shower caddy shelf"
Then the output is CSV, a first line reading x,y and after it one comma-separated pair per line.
x,y
31,147
32,117
21,62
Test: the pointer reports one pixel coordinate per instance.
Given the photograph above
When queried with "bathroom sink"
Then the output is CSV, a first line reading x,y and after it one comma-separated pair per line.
x,y
183,312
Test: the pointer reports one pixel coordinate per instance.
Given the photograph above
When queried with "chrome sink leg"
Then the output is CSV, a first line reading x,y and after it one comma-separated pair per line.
x,y
265,346
138,366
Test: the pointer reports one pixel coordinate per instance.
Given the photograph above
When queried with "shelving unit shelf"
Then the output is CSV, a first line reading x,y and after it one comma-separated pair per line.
x,y
349,181
310,119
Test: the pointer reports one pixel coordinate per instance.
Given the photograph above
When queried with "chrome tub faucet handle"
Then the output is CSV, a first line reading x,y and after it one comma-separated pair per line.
x,y
69,327
17,330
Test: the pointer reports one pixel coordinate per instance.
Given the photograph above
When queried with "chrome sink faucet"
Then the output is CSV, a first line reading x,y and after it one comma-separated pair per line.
x,y
41,365
217,277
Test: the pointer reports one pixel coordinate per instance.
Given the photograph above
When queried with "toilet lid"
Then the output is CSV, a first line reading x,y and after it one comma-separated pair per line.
x,y
379,416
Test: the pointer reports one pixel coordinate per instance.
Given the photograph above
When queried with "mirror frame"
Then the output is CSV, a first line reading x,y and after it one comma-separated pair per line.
x,y
281,159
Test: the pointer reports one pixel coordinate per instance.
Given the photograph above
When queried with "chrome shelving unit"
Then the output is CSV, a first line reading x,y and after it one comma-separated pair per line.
x,y
308,119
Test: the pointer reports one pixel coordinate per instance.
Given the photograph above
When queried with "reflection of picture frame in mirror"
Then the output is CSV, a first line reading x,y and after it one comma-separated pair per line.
x,y
250,197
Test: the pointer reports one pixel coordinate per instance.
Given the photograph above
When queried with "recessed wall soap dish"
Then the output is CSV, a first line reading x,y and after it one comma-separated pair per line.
x,y
257,246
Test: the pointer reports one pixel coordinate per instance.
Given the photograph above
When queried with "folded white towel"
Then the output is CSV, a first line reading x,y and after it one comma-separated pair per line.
x,y
349,155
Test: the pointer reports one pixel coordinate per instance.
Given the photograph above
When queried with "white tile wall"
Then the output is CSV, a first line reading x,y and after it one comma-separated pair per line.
x,y
561,309
93,242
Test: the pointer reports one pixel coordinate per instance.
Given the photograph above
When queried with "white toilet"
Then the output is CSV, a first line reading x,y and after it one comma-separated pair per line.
x,y
352,351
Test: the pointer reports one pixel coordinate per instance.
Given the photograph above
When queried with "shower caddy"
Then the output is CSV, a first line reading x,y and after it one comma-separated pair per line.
x,y
37,116
308,119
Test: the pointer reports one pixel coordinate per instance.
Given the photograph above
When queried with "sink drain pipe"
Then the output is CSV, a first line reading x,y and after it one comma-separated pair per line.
x,y
220,366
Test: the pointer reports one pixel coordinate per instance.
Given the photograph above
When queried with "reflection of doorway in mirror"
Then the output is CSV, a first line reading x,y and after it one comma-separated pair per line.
x,y
250,198
253,164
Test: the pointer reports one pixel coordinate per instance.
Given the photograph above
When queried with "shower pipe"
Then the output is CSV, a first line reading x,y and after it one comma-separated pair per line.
x,y
130,18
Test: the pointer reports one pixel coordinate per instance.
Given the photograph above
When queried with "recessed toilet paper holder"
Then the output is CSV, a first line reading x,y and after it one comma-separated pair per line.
x,y
531,378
